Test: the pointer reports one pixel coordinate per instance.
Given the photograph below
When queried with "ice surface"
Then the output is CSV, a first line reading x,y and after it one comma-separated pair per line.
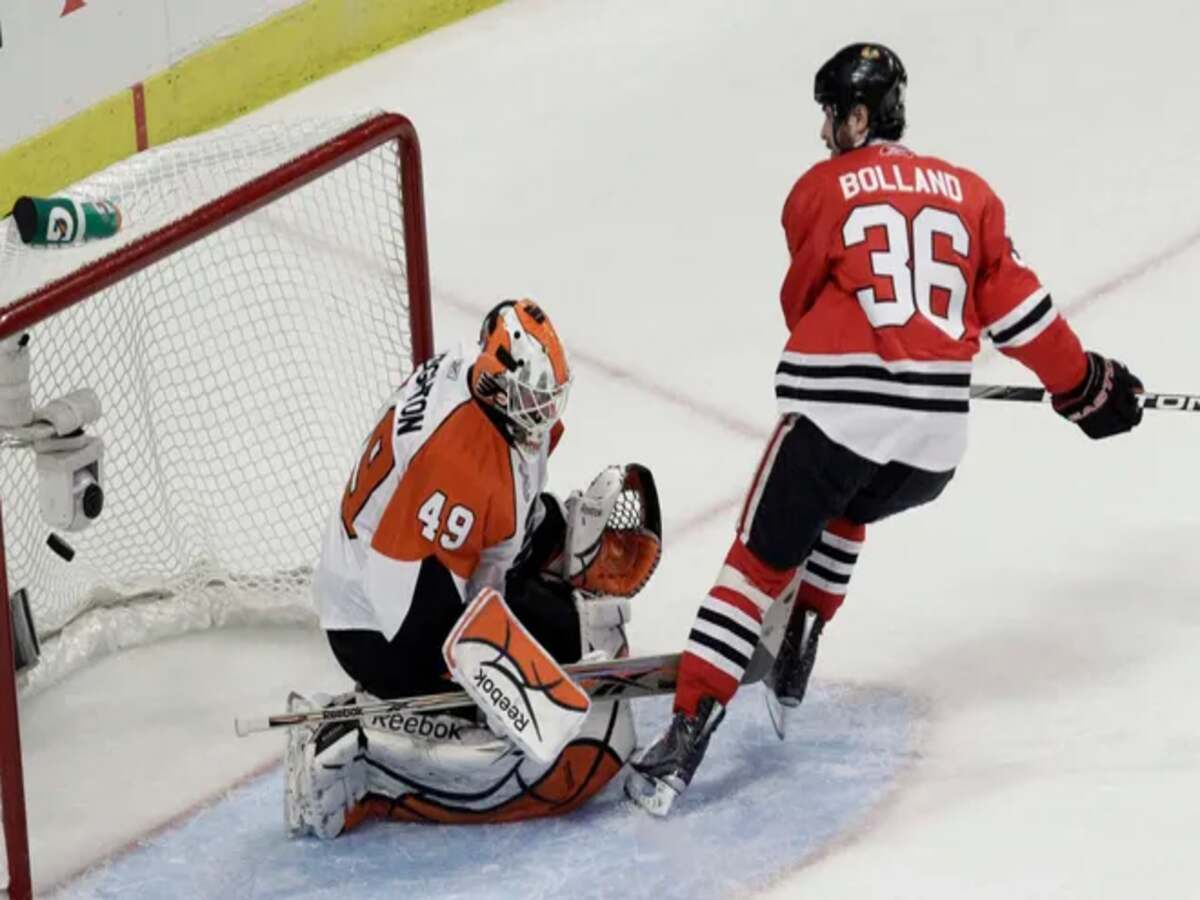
x,y
625,162
759,808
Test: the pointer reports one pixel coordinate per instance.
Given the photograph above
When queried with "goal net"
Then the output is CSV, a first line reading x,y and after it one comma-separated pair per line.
x,y
267,290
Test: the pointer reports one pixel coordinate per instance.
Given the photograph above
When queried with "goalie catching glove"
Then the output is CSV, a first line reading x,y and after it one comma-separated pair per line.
x,y
614,532
600,545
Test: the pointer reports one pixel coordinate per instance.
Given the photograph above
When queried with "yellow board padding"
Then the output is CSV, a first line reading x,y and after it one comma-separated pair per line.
x,y
73,149
284,53
222,82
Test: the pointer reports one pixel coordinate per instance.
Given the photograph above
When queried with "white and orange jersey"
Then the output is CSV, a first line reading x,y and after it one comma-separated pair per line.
x,y
436,478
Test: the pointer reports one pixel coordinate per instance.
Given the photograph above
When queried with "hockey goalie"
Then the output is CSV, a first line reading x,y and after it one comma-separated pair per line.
x,y
446,558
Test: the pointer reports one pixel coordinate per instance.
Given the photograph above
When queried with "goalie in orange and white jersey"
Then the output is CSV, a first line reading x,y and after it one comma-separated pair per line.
x,y
446,499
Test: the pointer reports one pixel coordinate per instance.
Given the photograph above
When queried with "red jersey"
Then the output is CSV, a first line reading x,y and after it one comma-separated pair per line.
x,y
898,263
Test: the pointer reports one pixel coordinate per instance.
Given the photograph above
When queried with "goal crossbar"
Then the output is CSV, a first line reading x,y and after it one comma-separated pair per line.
x,y
58,295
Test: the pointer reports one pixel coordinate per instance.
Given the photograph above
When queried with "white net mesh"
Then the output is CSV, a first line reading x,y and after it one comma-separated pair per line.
x,y
237,376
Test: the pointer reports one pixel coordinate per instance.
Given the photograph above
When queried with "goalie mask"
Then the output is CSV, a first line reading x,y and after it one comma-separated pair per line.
x,y
522,370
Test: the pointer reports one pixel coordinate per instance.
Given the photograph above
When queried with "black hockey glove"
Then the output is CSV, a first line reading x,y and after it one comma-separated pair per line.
x,y
1105,402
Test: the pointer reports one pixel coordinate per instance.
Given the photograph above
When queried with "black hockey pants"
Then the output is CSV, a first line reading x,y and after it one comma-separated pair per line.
x,y
807,480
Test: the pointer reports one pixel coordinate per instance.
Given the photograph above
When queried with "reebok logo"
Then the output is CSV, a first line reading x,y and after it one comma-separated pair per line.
x,y
421,726
500,702
338,713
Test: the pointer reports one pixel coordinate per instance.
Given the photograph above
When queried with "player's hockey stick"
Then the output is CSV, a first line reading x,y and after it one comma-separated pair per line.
x,y
1168,402
618,679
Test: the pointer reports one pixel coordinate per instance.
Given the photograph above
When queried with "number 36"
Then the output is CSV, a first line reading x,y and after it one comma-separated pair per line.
x,y
912,286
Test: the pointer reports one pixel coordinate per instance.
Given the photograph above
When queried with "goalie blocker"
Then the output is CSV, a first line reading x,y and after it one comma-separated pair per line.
x,y
523,693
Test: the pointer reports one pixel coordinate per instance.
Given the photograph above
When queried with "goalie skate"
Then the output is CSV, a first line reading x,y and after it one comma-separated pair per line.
x,y
297,795
324,775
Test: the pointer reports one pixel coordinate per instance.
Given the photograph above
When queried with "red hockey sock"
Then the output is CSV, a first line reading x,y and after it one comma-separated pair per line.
x,y
828,568
727,628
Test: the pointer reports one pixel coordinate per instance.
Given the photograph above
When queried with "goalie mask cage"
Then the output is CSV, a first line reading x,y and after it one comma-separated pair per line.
x,y
268,289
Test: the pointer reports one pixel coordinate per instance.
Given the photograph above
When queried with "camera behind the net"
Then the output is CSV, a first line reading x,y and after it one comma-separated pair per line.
x,y
70,472
69,461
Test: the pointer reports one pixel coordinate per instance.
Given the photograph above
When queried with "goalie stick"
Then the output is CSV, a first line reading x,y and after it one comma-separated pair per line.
x,y
617,679
1166,402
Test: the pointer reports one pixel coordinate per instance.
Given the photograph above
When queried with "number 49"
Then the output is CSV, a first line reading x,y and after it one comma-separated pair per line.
x,y
457,526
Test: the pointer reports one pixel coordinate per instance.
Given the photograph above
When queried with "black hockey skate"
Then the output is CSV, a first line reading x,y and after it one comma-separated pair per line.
x,y
664,769
788,679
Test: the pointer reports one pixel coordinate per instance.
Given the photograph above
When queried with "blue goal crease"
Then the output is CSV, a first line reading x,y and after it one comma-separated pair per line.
x,y
757,809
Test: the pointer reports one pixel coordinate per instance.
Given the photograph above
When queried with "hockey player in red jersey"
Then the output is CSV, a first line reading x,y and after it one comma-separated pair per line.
x,y
899,264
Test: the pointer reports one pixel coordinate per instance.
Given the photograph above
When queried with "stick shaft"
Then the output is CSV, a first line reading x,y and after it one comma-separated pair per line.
x,y
621,679
1009,392
1165,402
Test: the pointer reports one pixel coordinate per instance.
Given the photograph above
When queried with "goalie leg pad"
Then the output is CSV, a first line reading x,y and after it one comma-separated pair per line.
x,y
441,769
479,778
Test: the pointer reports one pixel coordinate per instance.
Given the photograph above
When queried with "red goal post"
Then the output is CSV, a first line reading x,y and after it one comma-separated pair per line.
x,y
250,288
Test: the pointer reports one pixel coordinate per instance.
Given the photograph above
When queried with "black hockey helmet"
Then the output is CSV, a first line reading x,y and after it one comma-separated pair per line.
x,y
869,74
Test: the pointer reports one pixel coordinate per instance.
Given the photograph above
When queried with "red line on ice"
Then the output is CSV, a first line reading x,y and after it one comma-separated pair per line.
x,y
1132,274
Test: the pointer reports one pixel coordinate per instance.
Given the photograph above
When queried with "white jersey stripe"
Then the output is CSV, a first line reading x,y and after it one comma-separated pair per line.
x,y
933,367
934,441
876,386
1018,312
1028,334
